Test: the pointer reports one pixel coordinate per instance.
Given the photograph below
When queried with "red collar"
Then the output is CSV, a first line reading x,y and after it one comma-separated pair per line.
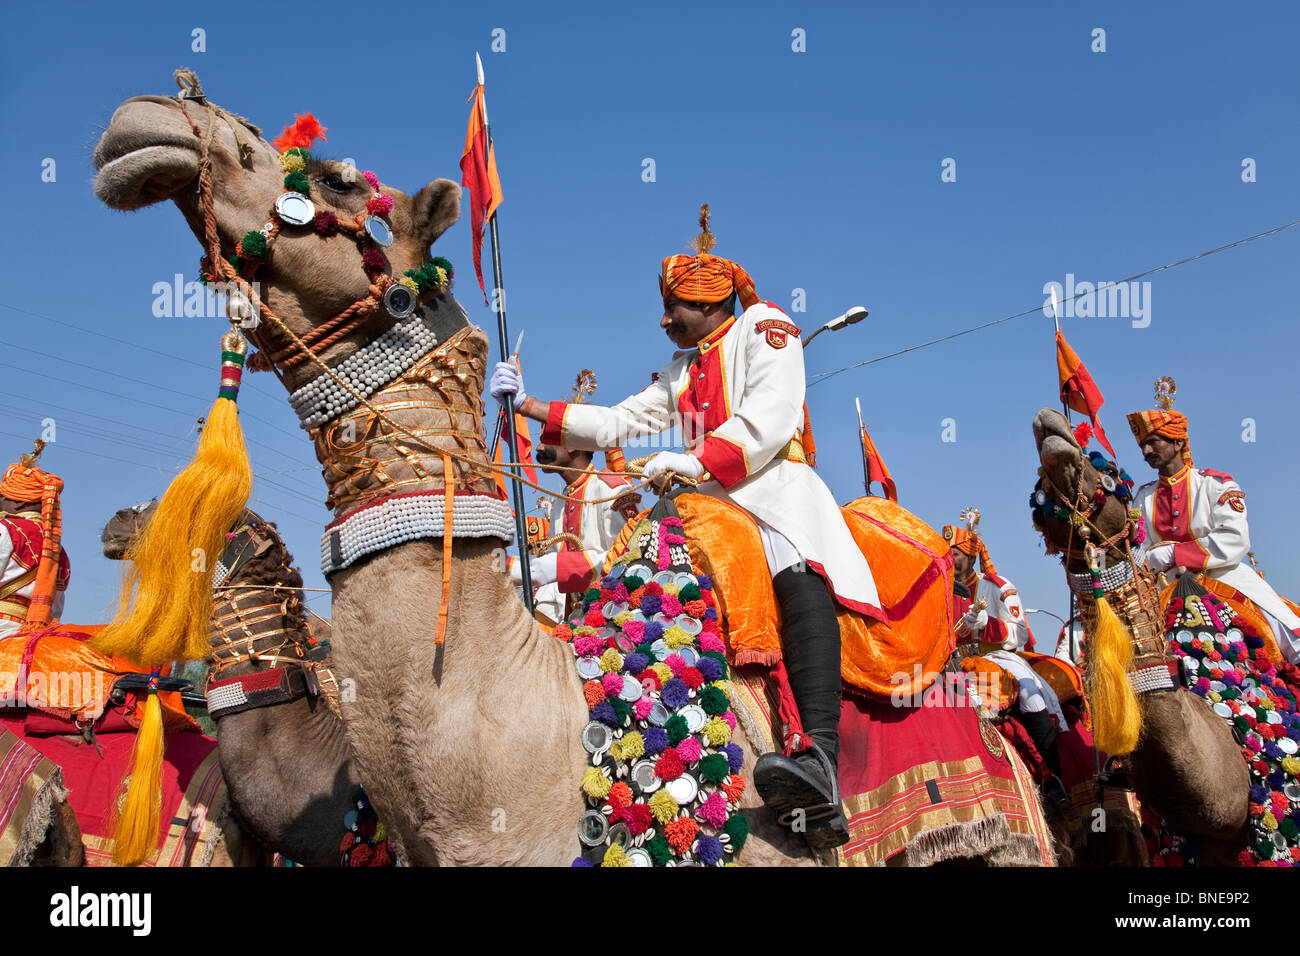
x,y
1182,473
581,481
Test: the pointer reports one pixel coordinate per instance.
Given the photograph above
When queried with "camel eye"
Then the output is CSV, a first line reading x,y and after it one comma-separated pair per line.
x,y
336,183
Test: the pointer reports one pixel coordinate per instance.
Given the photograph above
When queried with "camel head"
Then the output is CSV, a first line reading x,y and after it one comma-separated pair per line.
x,y
123,527
1069,477
151,152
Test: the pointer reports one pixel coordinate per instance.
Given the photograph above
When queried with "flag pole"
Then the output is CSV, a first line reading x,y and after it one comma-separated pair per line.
x,y
1056,314
862,429
521,533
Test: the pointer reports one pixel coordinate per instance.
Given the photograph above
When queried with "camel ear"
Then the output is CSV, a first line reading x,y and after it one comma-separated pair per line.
x,y
437,207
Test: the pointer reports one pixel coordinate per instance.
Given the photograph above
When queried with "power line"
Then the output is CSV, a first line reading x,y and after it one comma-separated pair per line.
x,y
822,376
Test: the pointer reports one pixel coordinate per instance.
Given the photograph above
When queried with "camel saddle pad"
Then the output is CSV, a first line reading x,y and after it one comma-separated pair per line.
x,y
194,796
65,677
910,561
30,786
920,784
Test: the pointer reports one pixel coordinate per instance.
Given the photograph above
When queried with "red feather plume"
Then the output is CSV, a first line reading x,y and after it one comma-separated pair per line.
x,y
304,131
1083,434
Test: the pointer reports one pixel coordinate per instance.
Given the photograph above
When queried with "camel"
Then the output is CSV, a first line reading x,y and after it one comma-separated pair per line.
x,y
287,767
1187,767
470,748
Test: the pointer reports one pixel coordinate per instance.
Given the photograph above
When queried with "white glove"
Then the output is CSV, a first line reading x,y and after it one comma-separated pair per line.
x,y
507,380
1160,557
975,620
542,570
687,465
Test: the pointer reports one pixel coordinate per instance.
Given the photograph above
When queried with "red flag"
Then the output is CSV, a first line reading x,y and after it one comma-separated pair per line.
x,y
478,173
1078,390
875,468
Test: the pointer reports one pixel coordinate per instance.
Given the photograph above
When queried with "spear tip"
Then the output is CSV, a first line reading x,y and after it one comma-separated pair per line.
x,y
478,62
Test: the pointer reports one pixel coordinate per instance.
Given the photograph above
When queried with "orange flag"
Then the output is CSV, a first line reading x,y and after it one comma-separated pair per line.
x,y
1078,390
478,173
874,468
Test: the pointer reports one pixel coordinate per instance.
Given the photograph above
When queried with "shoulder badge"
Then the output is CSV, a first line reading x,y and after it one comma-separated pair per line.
x,y
1234,499
628,505
776,330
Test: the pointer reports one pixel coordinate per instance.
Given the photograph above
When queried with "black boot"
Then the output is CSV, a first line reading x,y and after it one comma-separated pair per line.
x,y
806,788
1042,730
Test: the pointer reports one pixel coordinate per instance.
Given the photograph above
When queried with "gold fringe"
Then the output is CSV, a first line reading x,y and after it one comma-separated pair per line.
x,y
1116,714
135,832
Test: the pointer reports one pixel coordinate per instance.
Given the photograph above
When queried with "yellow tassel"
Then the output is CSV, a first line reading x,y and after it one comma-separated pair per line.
x,y
135,835
166,597
1116,713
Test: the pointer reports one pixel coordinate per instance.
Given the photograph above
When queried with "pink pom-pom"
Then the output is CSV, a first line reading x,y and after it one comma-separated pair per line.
x,y
711,642
671,606
713,810
588,645
371,178
729,719
613,684
642,708
675,664
634,629
689,750
379,204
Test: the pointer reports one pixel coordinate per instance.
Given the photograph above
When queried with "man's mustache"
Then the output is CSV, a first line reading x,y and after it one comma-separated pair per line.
x,y
546,455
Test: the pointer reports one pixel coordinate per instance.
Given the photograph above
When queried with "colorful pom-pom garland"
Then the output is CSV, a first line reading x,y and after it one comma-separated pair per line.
x,y
668,782
1225,664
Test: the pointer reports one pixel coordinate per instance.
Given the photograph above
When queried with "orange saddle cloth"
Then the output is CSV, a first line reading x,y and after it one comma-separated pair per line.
x,y
910,561
58,672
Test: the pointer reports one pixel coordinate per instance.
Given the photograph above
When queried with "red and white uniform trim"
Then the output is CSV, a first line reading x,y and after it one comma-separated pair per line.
x,y
20,554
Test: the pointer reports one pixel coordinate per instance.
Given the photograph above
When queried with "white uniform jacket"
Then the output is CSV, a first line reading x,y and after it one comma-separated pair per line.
x,y
1202,512
1008,628
738,399
20,555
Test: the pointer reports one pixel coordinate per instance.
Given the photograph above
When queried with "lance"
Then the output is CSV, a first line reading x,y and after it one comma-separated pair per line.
x,y
499,299
501,413
862,443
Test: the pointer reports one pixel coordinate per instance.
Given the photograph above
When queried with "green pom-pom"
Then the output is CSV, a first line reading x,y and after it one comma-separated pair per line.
x,y
648,650
736,827
620,708
713,701
1240,724
689,592
714,768
592,595
676,729
443,264
720,657
632,583
233,259
1264,848
659,850
253,245
1289,829
297,182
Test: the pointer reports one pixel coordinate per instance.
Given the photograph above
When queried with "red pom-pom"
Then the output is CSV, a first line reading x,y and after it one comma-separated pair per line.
x,y
653,588
563,632
620,796
325,223
594,618
1082,433
349,839
379,205
652,677
637,816
360,856
300,134
669,766
681,833
372,260
382,856
692,678
695,608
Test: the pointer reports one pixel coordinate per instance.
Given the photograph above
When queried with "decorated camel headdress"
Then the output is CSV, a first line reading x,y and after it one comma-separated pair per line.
x,y
1162,420
704,277
967,540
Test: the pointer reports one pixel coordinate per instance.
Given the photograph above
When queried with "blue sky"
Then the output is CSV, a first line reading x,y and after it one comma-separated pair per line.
x,y
823,171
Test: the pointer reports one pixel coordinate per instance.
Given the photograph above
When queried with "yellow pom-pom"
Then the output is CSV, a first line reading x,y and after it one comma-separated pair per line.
x,y
585,630
442,275
381,833
676,637
1266,703
621,617
716,732
1214,696
611,662
663,806
292,162
630,747
1291,765
671,588
1268,821
595,784
663,671
409,283
615,856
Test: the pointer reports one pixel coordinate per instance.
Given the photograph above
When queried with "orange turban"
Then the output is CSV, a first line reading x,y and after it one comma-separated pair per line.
x,y
964,541
706,278
1163,422
25,482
